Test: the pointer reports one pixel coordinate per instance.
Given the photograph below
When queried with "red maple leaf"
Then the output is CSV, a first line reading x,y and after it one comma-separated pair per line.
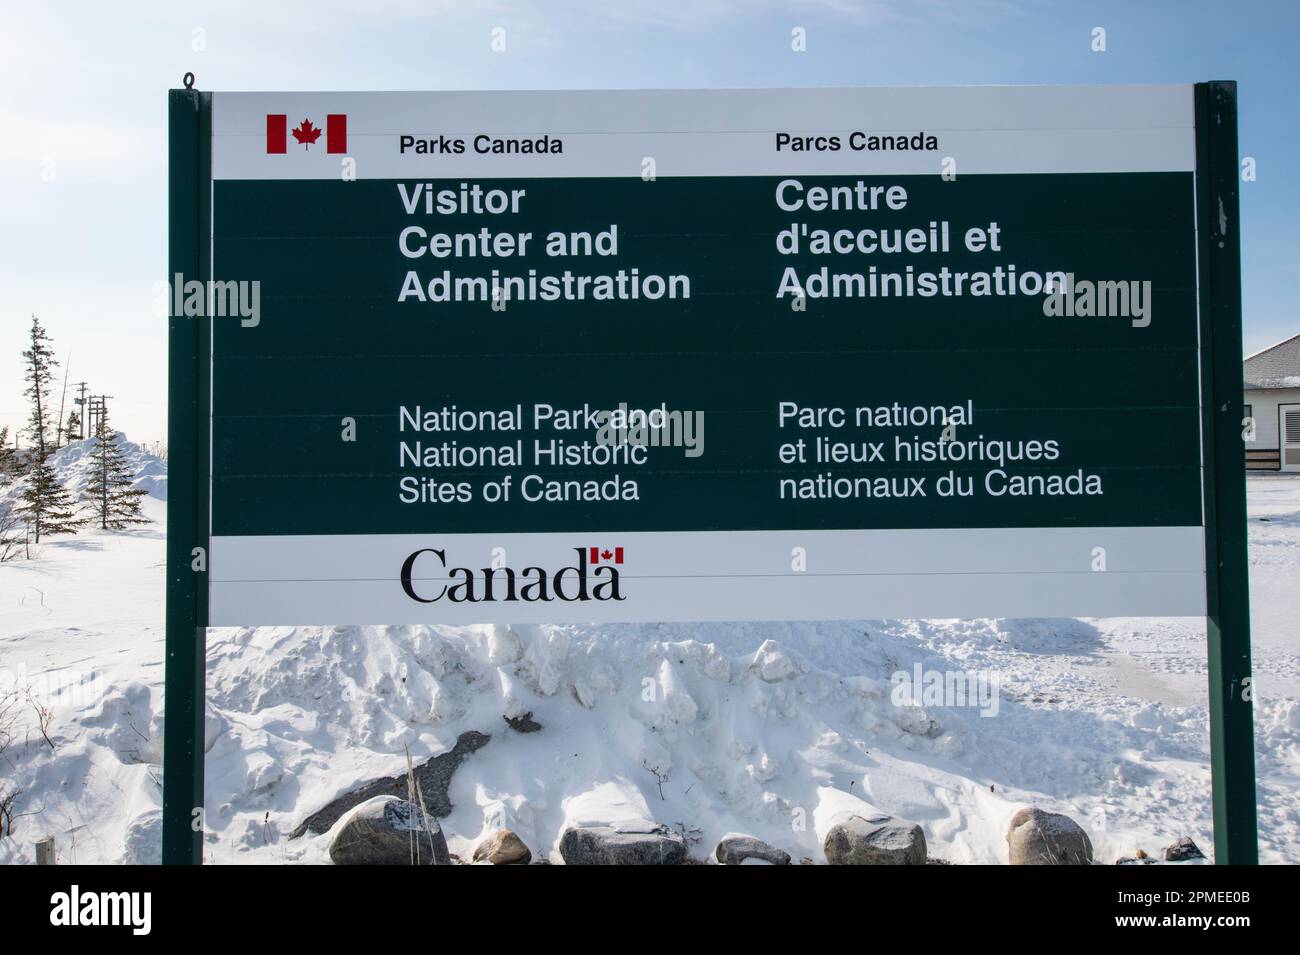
x,y
606,555
306,133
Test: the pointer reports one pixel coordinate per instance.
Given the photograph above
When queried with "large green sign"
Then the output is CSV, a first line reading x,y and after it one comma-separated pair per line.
x,y
456,357
821,392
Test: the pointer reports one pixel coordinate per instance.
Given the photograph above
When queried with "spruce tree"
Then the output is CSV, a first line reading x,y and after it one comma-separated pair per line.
x,y
13,532
38,372
8,456
44,502
115,502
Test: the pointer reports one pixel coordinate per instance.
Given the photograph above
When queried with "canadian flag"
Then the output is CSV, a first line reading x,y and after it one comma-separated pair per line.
x,y
306,133
596,555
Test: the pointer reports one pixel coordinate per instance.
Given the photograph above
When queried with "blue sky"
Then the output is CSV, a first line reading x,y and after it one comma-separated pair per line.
x,y
82,106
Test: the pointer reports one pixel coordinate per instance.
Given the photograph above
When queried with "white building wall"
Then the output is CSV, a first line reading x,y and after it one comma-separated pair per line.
x,y
1264,403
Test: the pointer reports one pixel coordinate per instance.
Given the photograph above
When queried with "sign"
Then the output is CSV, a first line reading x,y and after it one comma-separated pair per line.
x,y
799,354
707,355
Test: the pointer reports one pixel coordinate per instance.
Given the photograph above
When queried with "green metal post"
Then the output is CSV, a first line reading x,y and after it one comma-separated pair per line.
x,y
188,189
1232,741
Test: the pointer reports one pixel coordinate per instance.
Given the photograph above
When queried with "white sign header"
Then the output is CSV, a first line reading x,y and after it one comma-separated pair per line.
x,y
861,131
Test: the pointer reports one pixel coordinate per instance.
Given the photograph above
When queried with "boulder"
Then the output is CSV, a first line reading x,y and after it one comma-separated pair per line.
x,y
1036,837
503,847
734,849
861,841
386,830
1183,850
1139,857
622,844
433,776
523,723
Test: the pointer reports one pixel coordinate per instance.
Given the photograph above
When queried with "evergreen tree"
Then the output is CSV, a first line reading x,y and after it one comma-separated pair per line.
x,y
116,504
38,372
73,430
8,456
12,531
46,503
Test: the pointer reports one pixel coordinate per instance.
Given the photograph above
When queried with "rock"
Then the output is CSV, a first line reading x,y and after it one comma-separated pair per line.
x,y
734,849
1036,837
523,724
503,847
386,830
622,844
1183,850
860,841
433,775
1139,857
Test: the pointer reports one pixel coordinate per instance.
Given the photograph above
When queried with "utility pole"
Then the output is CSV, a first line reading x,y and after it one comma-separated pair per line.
x,y
103,407
80,402
97,405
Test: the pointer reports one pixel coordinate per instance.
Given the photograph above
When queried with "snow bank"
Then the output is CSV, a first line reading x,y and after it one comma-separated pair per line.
x,y
74,466
739,739
776,730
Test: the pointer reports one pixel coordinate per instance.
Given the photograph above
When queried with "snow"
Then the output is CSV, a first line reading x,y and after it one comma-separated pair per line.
x,y
75,468
777,730
74,465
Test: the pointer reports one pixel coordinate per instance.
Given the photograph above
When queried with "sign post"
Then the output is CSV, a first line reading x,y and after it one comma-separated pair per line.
x,y
1232,733
706,355
188,430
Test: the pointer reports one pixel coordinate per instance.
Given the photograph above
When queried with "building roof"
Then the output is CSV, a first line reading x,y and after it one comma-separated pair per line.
x,y
1277,366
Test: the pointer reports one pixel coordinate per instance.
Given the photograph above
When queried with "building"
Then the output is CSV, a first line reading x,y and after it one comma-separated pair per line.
x,y
1273,400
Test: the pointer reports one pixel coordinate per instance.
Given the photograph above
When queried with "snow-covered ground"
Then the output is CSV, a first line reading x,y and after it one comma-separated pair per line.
x,y
771,729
